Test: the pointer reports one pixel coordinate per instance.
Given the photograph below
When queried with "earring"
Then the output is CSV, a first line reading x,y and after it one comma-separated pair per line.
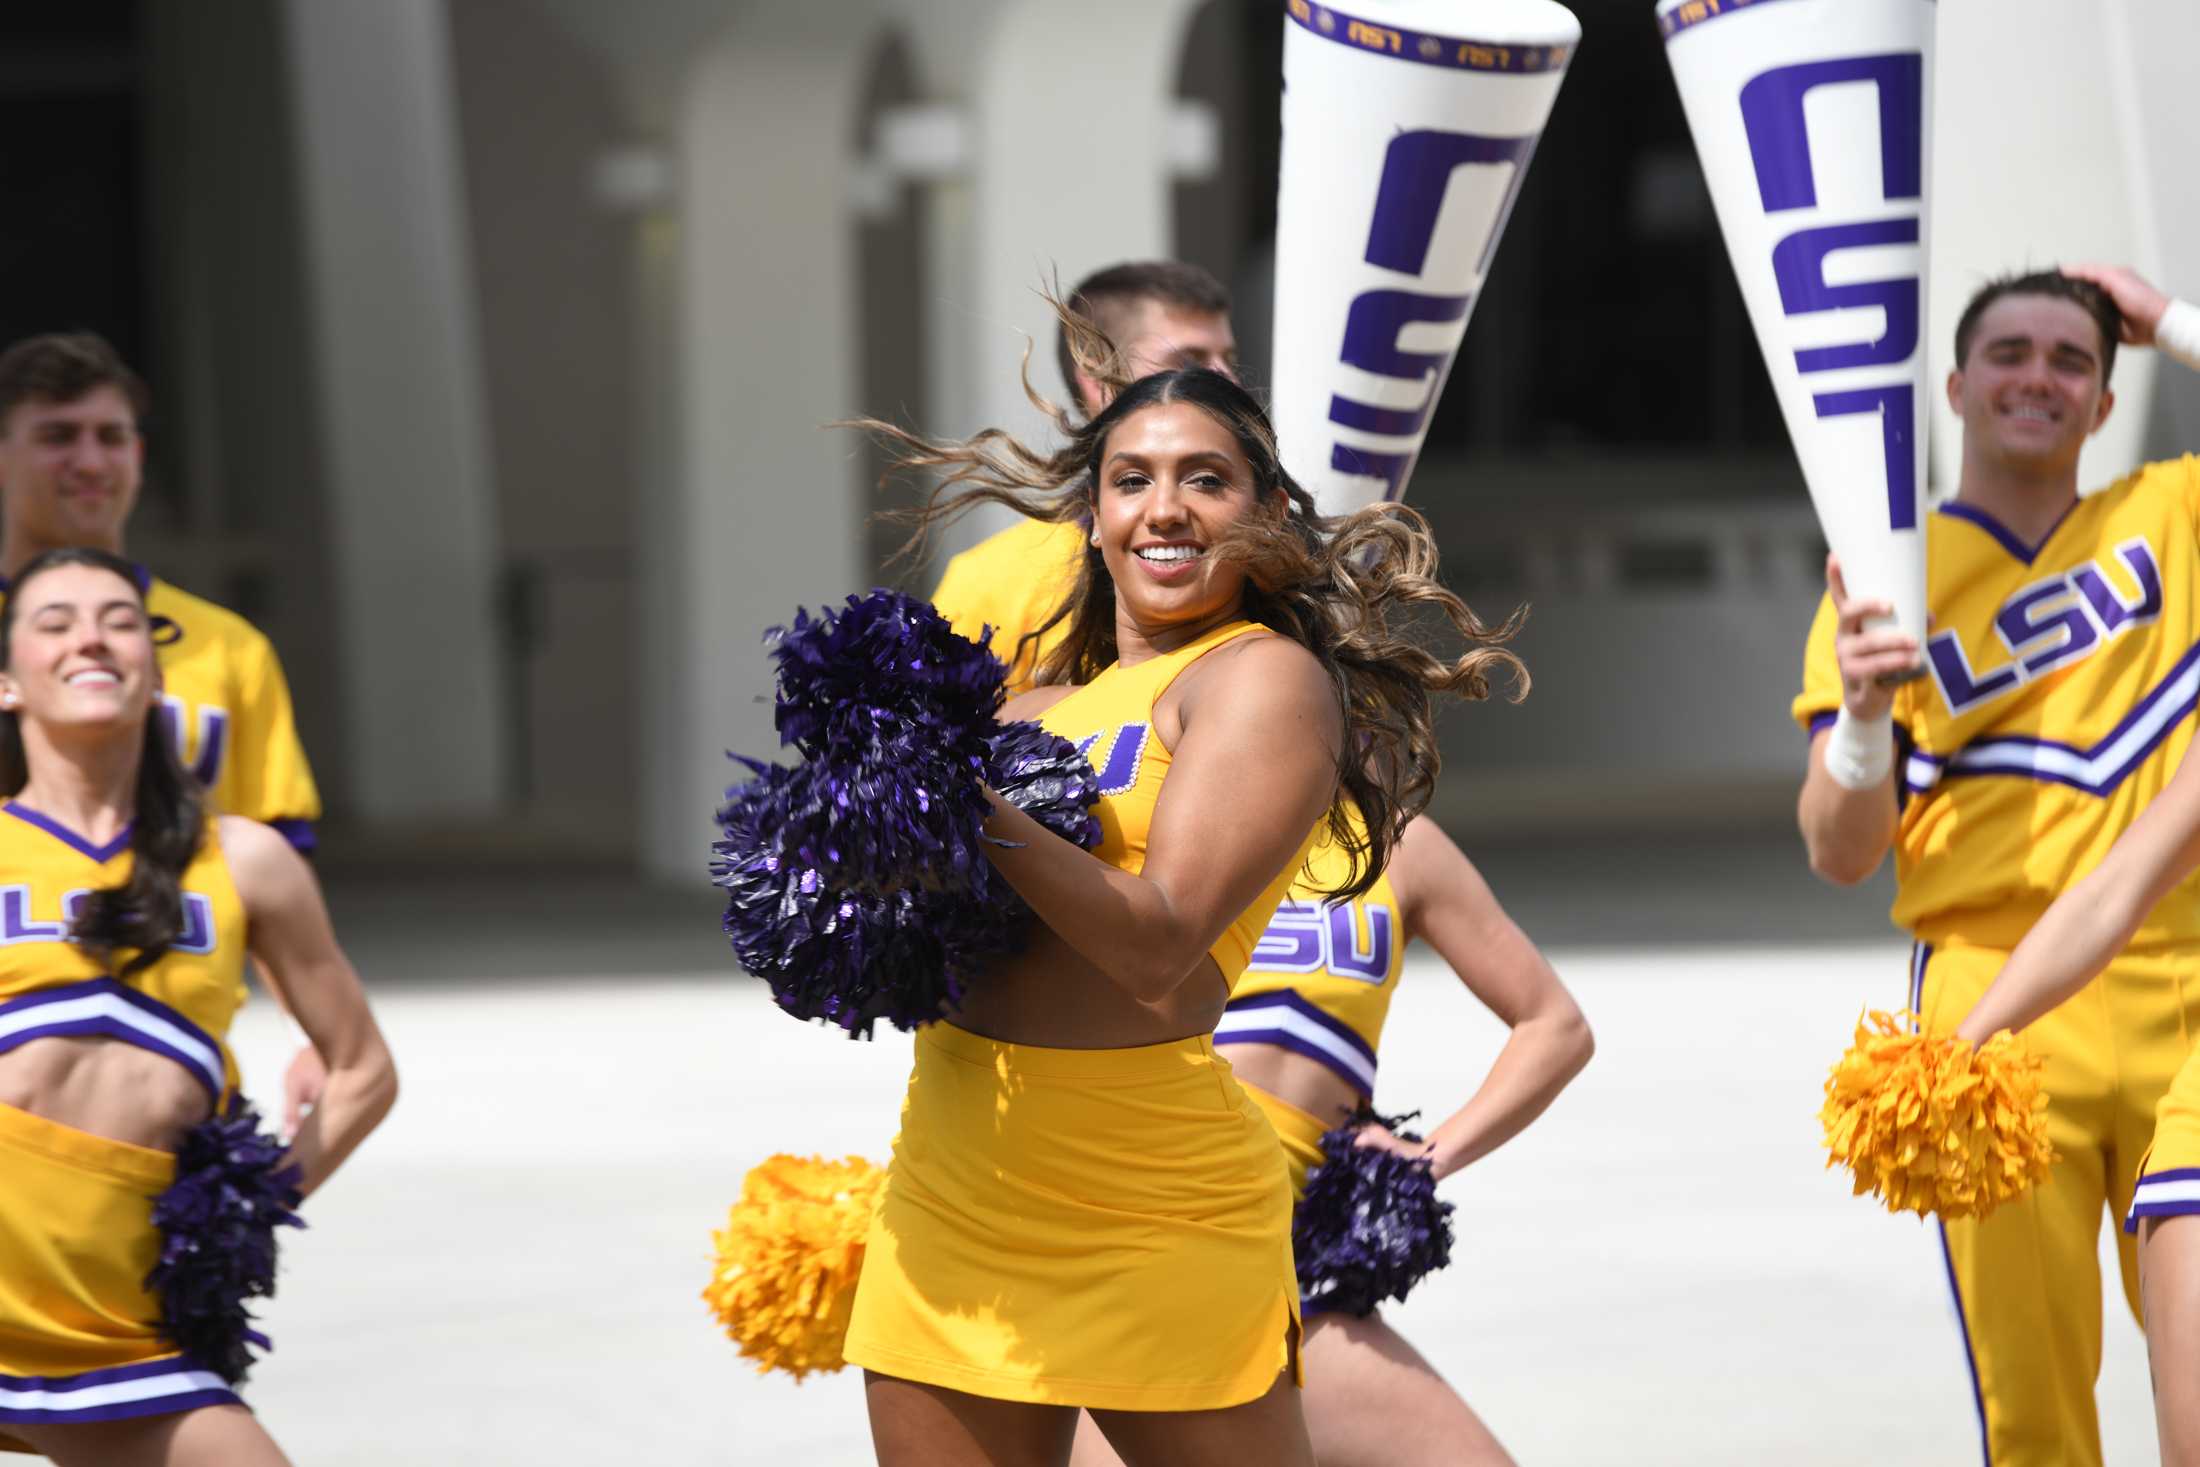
x,y
1096,537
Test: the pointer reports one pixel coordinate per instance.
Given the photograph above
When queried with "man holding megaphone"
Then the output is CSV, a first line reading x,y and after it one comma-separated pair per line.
x,y
2050,699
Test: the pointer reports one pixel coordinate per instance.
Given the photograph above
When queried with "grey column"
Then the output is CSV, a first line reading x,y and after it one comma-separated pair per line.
x,y
398,386
763,509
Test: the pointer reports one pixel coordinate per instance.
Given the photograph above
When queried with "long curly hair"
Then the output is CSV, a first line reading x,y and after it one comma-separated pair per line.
x,y
1359,591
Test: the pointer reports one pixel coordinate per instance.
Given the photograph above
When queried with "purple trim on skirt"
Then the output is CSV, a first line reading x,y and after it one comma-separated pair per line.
x,y
161,1405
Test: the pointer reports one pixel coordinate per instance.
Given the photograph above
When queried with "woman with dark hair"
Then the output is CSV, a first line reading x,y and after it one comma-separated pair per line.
x,y
1084,1209
1303,1033
140,1200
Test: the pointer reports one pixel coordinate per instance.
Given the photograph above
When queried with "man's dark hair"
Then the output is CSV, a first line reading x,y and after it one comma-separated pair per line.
x,y
2083,294
63,366
1103,296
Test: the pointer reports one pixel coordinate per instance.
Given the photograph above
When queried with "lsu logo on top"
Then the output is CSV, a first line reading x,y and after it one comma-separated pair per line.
x,y
1311,937
2052,623
18,924
1876,380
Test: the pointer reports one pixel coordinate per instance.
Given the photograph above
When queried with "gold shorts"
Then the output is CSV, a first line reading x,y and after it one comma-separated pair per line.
x,y
79,1333
2169,1172
1108,1228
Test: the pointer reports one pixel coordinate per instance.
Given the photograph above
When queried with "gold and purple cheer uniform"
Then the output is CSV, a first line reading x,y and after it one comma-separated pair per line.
x,y
80,1336
1107,1228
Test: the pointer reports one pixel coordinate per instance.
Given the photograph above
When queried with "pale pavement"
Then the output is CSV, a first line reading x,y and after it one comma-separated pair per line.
x,y
1658,1272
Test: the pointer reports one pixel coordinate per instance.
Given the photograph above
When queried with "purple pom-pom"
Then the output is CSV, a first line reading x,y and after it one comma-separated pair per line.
x,y
849,954
1370,1226
1043,774
217,1223
885,667
843,957
893,714
856,881
900,958
872,819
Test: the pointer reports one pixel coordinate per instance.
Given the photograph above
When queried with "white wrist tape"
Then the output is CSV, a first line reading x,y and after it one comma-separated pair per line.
x,y
1860,753
2177,334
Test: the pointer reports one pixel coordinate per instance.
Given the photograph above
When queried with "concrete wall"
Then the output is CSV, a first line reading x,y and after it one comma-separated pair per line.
x,y
763,510
557,324
393,303
2035,164
2149,42
1068,107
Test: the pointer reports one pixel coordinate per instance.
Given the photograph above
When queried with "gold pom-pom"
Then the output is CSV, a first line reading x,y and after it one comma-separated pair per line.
x,y
1931,1125
789,1257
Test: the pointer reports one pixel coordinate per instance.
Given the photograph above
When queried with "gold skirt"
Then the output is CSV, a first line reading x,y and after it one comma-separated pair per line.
x,y
80,1335
1108,1228
1300,1132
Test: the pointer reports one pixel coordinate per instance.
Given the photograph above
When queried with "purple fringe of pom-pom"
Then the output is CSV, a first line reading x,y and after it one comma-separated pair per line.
x,y
874,819
217,1223
893,713
842,957
881,669
1042,774
851,957
856,881
1370,1226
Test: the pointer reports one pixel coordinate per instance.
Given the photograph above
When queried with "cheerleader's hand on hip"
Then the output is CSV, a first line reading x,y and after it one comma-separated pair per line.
x,y
1377,1137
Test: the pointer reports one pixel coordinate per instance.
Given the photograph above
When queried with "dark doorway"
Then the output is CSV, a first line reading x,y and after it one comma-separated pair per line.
x,y
72,255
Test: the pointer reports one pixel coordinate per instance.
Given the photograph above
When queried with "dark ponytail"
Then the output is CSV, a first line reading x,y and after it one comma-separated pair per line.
x,y
145,913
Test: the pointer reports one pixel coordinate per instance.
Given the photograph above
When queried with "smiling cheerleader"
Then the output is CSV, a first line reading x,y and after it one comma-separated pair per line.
x,y
1084,1209
140,1204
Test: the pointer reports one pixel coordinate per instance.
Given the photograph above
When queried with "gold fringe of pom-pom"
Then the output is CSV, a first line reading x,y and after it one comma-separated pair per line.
x,y
1930,1125
789,1257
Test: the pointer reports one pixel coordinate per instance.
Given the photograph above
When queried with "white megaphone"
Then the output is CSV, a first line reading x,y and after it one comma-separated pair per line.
x,y
1813,120
1407,130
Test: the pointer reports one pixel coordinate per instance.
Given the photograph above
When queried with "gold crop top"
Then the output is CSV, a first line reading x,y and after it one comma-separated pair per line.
x,y
1111,720
181,1006
1322,977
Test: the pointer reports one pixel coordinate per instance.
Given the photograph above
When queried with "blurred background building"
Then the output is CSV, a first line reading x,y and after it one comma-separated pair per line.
x,y
492,342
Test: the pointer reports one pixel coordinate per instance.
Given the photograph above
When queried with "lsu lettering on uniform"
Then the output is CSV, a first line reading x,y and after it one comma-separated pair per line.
x,y
2059,696
228,708
79,1333
1012,582
1320,985
1108,1228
